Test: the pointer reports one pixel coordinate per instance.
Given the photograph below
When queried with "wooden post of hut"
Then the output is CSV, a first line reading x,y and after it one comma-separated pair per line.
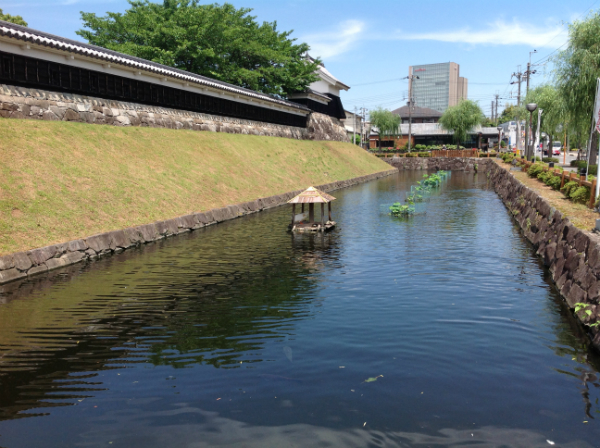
x,y
311,196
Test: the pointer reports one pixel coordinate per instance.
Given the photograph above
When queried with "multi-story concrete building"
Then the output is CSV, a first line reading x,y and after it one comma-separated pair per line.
x,y
438,86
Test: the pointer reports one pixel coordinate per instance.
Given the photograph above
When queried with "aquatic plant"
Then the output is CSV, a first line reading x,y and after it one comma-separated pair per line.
x,y
398,209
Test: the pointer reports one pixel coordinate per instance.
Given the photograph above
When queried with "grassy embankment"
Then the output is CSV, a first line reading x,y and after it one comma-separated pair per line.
x,y
61,181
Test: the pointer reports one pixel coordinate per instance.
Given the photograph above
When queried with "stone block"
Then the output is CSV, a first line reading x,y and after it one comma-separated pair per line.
x,y
206,217
100,243
37,270
575,295
187,222
22,261
219,214
6,262
134,236
76,245
581,242
119,239
10,275
65,260
39,256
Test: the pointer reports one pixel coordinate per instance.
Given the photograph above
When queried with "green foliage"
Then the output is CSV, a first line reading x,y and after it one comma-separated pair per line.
x,y
218,41
507,157
549,99
580,195
577,68
580,306
535,169
567,187
554,182
18,20
424,154
461,119
386,122
510,113
398,209
550,159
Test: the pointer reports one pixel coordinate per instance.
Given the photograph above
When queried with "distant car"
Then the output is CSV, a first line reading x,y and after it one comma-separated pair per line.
x,y
556,147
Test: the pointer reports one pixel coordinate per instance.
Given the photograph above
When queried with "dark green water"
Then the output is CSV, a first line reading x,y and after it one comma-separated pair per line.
x,y
244,335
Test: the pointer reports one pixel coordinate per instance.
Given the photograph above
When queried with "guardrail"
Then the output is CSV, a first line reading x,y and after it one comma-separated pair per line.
x,y
569,178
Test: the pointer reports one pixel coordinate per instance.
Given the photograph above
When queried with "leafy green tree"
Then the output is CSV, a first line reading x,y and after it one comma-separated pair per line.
x,y
577,69
510,113
385,121
12,19
218,41
461,119
549,99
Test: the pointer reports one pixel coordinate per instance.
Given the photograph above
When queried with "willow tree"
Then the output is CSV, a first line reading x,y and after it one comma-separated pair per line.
x,y
548,98
386,122
461,119
577,69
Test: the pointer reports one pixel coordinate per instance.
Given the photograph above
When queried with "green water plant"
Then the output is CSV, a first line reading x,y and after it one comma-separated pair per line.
x,y
398,209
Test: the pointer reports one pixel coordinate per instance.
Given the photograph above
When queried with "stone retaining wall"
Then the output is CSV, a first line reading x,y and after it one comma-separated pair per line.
x,y
26,264
22,102
436,163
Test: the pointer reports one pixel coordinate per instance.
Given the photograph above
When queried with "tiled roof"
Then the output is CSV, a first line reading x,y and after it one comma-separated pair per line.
x,y
311,195
417,112
25,34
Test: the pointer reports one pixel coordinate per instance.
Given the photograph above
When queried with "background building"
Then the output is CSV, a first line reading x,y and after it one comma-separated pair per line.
x,y
418,114
439,85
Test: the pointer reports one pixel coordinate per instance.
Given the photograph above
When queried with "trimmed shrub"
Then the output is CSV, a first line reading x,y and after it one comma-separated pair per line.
x,y
580,195
535,169
554,182
424,154
566,189
544,175
412,154
550,159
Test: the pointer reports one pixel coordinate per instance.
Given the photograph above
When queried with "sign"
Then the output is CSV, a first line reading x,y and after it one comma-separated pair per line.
x,y
420,70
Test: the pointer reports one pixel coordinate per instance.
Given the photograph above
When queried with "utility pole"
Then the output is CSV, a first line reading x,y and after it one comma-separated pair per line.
x,y
411,78
354,128
496,115
493,120
519,76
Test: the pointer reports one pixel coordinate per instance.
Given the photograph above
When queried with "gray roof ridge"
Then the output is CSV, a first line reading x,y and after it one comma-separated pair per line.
x,y
110,54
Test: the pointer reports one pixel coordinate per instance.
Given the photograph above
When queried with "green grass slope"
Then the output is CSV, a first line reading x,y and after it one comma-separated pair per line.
x,y
61,181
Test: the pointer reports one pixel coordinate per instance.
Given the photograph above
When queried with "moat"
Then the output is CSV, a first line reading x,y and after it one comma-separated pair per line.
x,y
443,329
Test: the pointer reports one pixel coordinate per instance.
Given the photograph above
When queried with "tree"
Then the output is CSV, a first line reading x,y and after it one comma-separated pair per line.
x,y
548,98
386,122
510,113
461,119
577,69
217,41
12,19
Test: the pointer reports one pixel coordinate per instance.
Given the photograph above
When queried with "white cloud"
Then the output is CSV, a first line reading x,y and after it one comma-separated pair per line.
x,y
498,33
326,45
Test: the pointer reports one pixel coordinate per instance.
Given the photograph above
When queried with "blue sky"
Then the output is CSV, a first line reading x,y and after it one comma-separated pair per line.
x,y
364,42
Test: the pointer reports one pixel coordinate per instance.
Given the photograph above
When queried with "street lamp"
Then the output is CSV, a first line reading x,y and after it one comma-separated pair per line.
x,y
499,138
531,107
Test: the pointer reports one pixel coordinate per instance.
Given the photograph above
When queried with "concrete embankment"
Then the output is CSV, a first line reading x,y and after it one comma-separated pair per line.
x,y
62,182
571,254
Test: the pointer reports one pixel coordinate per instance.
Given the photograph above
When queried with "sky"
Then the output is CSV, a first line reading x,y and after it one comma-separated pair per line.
x,y
369,45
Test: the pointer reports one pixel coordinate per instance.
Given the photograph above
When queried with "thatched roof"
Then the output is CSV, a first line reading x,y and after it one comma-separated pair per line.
x,y
311,195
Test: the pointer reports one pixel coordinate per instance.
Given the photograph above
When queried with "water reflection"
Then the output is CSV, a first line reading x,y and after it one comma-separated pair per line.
x,y
242,333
